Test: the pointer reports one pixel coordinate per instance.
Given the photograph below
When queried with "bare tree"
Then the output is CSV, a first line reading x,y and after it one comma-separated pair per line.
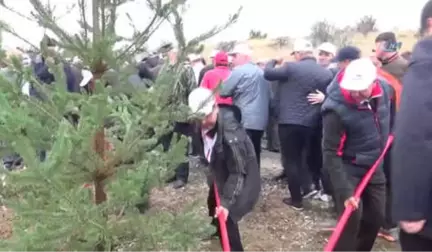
x,y
256,34
226,45
322,31
343,36
366,25
281,42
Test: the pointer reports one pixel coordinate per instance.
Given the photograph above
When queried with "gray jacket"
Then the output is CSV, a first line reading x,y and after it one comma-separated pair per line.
x,y
296,80
251,93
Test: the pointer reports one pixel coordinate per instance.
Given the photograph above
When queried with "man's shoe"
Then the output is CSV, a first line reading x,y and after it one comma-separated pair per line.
x,y
279,177
325,198
390,235
322,197
309,194
298,206
273,150
170,180
178,184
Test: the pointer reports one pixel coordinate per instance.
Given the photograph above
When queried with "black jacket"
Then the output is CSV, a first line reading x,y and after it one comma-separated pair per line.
x,y
412,148
233,166
296,80
354,135
203,71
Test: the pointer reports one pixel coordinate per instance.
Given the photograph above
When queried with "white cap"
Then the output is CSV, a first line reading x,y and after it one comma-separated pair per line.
x,y
87,76
140,56
76,60
201,100
194,57
213,53
26,59
242,49
359,75
328,48
302,45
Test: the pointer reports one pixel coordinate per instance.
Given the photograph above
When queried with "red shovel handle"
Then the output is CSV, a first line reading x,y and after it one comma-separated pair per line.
x,y
222,223
357,194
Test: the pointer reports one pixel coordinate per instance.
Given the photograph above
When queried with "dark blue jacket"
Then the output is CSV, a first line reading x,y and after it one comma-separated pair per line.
x,y
41,71
295,81
366,129
412,149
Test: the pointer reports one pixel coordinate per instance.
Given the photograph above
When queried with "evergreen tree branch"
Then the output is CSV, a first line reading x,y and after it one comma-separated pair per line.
x,y
3,5
82,10
216,29
43,15
161,12
73,159
185,46
8,29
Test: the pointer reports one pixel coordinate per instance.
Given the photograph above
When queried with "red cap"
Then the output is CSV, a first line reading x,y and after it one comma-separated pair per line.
x,y
221,58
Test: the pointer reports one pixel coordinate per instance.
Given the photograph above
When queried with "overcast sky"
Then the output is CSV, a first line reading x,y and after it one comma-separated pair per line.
x,y
275,17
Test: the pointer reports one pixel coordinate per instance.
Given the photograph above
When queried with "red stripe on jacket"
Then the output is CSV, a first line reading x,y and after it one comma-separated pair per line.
x,y
341,146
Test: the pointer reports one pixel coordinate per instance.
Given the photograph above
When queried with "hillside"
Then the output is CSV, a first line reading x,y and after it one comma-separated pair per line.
x,y
263,49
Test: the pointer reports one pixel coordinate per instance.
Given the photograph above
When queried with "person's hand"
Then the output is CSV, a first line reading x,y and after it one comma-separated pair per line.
x,y
354,202
412,227
222,212
279,61
316,98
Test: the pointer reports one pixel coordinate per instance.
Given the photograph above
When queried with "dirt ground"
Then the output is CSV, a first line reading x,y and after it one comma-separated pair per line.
x,y
272,226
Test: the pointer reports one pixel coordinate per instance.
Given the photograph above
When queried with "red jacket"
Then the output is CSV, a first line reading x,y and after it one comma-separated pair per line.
x,y
213,78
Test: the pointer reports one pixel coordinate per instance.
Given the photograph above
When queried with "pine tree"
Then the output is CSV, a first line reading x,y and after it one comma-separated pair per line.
x,y
112,149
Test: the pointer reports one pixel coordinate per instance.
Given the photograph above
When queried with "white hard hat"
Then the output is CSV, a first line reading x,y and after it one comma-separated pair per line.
x,y
327,47
241,49
201,100
87,76
302,45
359,75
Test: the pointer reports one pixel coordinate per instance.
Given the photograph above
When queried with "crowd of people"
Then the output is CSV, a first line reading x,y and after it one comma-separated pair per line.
x,y
329,113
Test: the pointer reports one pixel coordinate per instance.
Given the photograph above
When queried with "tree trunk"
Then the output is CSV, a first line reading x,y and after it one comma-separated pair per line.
x,y
98,186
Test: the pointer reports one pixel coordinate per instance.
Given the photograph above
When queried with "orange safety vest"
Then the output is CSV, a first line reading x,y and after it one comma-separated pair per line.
x,y
394,83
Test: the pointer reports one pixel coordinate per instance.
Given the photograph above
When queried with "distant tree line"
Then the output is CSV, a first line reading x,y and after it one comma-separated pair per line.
x,y
321,31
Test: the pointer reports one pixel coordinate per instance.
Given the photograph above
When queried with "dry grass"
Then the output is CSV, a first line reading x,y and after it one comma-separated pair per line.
x,y
262,49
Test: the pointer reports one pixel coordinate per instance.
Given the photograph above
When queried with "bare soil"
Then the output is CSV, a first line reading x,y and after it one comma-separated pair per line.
x,y
272,226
